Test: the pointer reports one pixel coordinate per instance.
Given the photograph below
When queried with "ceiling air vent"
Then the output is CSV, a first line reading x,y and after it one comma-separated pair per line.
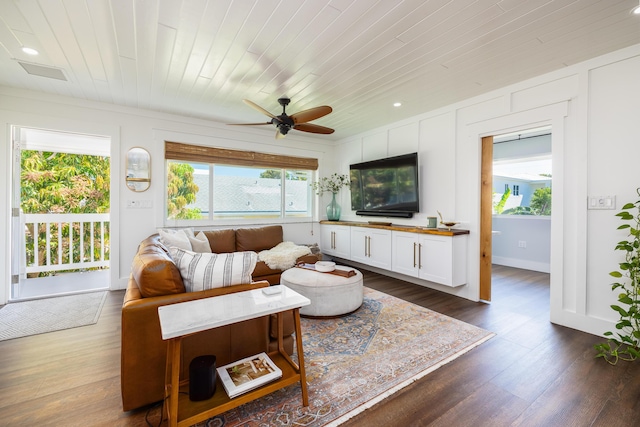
x,y
43,71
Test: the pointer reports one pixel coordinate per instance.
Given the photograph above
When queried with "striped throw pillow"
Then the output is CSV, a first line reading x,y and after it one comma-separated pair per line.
x,y
202,271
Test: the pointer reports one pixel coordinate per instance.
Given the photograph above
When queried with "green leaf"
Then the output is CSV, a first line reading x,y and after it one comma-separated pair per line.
x,y
615,274
629,206
626,300
620,310
621,325
623,226
634,352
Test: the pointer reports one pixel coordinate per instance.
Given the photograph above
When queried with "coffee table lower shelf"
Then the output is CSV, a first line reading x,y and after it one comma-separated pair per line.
x,y
190,412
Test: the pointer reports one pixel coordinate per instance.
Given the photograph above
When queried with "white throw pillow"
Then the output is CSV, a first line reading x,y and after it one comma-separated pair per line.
x,y
200,243
176,238
202,271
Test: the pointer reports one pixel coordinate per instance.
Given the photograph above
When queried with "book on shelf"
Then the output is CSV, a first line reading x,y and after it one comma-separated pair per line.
x,y
247,374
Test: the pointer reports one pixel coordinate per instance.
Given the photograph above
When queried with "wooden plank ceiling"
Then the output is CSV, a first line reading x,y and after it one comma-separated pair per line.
x,y
200,58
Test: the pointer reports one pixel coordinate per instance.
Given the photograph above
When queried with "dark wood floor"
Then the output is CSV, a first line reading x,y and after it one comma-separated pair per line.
x,y
532,373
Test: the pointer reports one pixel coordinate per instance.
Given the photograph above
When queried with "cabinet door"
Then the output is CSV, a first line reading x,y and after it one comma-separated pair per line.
x,y
371,246
359,244
342,241
335,240
326,239
405,253
444,259
436,259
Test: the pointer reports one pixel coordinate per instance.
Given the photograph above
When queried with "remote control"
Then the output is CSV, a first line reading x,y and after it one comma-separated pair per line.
x,y
272,290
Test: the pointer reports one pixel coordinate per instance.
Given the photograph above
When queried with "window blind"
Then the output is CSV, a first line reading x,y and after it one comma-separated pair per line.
x,y
226,156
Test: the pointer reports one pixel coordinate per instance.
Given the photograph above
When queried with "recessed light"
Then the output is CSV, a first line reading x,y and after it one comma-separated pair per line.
x,y
397,104
29,51
636,10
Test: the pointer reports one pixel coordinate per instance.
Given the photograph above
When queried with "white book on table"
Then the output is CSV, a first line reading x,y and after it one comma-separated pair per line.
x,y
247,374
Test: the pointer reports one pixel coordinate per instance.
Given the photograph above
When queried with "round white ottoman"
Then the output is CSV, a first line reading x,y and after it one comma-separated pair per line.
x,y
330,294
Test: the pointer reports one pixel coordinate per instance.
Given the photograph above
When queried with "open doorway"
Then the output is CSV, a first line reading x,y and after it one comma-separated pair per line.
x,y
515,203
60,239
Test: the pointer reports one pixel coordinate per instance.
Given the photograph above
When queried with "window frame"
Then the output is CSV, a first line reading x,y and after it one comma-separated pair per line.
x,y
244,159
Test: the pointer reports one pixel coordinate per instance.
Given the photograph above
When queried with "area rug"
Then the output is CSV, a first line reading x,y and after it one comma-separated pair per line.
x,y
21,319
355,361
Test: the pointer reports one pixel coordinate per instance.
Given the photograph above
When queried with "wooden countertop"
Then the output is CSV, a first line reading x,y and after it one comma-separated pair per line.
x,y
406,228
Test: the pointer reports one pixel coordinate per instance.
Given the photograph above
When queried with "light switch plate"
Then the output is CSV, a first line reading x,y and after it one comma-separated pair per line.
x,y
601,202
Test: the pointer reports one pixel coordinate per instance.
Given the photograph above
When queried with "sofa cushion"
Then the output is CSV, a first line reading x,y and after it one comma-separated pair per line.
x,y
258,239
262,269
200,243
155,273
202,271
177,238
221,241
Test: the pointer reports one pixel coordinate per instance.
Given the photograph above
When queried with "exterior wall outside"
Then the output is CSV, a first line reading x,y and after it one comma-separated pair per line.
x,y
526,189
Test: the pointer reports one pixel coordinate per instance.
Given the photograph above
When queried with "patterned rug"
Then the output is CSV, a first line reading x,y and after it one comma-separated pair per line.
x,y
355,361
21,319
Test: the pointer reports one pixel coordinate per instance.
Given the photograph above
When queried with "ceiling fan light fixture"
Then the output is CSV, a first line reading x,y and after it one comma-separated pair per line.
x,y
283,128
298,121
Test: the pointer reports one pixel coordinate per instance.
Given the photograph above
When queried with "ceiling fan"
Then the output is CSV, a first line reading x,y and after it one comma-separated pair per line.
x,y
298,121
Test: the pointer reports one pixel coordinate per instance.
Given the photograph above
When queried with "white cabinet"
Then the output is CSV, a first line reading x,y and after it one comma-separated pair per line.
x,y
439,259
371,246
406,252
336,240
435,255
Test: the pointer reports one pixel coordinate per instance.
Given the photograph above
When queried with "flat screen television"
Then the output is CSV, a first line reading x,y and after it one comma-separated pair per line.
x,y
386,187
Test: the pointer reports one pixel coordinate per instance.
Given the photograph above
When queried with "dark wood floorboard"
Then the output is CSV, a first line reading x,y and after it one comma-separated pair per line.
x,y
532,373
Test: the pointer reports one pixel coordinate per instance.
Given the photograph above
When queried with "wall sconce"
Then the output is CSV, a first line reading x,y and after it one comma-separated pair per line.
x,y
138,169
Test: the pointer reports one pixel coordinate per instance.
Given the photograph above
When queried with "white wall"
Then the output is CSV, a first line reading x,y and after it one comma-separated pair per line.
x,y
522,241
592,108
132,127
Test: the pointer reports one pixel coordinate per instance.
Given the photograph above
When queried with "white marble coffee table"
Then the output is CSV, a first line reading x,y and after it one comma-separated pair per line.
x,y
187,318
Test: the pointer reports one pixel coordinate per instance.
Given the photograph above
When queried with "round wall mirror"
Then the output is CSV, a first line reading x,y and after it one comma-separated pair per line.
x,y
138,176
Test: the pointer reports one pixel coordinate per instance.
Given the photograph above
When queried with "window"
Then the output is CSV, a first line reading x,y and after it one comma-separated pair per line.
x,y
516,190
236,185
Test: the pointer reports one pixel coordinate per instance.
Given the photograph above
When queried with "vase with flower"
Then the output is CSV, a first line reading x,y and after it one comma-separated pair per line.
x,y
331,184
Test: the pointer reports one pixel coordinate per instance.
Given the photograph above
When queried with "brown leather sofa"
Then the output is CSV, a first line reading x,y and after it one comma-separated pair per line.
x,y
253,239
155,281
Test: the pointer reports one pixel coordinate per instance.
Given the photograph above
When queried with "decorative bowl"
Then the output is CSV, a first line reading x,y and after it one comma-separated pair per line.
x,y
325,266
449,224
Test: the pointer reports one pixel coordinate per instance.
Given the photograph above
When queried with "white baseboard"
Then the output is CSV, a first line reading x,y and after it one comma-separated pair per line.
x,y
522,263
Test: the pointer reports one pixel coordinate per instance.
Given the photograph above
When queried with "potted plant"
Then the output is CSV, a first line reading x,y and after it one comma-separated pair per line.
x,y
625,343
331,184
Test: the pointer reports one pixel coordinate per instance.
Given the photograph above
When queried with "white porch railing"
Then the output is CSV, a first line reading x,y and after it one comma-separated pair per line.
x,y
55,242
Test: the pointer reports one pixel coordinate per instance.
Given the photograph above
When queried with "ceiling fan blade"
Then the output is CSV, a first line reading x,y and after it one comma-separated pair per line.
x,y
311,114
308,127
259,108
248,124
